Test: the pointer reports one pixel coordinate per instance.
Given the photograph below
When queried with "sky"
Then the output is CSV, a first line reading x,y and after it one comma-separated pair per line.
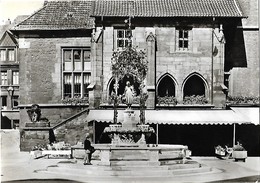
x,y
10,9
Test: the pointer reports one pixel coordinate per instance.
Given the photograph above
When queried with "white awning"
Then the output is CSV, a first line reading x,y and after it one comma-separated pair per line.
x,y
12,115
174,116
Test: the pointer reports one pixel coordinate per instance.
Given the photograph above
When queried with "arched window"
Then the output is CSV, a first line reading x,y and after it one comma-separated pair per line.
x,y
194,86
122,84
166,87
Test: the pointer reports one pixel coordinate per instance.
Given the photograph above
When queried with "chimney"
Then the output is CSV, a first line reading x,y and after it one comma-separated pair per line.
x,y
8,22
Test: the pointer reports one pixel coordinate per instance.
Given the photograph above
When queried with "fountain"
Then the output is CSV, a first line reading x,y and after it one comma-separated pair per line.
x,y
129,133
128,140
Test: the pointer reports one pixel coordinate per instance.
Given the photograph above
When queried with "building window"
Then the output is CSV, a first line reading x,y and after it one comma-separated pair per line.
x,y
11,55
7,55
15,102
15,78
76,72
3,78
166,87
3,55
4,101
183,43
122,38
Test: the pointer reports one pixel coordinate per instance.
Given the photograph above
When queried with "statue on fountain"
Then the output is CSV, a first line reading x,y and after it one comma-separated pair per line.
x,y
129,92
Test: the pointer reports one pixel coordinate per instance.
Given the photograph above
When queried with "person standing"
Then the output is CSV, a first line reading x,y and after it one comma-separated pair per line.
x,y
87,147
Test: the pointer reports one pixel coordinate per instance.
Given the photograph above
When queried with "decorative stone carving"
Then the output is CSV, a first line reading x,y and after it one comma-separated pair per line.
x,y
150,37
34,113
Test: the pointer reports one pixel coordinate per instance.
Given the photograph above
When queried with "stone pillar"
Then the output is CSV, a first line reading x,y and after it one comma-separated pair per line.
x,y
96,59
219,96
150,103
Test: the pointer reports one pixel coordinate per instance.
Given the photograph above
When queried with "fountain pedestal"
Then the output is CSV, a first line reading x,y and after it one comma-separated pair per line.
x,y
129,119
129,133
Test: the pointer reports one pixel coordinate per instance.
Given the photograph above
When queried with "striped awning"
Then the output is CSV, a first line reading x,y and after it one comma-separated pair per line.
x,y
174,116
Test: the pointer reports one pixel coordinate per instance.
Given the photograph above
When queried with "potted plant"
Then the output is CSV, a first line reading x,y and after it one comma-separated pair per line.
x,y
239,152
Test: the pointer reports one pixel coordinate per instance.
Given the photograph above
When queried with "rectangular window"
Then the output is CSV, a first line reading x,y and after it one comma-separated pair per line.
x,y
4,78
2,55
86,82
67,85
123,38
15,78
76,62
4,101
183,39
77,85
15,102
67,60
11,55
86,57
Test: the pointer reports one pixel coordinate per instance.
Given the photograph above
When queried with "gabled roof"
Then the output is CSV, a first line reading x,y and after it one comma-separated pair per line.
x,y
8,40
59,15
167,8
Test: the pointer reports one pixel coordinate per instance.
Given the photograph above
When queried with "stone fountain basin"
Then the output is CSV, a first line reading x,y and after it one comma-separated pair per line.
x,y
151,154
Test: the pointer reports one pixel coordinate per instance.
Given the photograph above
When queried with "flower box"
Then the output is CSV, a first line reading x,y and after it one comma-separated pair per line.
x,y
239,155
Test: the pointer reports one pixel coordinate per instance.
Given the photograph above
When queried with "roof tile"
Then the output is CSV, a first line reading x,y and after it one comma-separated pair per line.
x,y
167,8
60,15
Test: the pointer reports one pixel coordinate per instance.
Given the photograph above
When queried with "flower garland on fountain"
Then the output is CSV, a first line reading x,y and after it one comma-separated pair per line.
x,y
129,62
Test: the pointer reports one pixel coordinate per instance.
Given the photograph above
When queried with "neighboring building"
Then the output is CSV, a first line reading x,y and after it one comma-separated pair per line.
x,y
9,64
65,51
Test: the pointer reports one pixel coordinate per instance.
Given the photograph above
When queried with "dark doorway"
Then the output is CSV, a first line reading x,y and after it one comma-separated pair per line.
x,y
194,86
6,123
166,87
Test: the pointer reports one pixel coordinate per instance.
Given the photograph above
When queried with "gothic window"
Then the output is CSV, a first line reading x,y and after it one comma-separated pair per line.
x,y
166,87
76,72
194,86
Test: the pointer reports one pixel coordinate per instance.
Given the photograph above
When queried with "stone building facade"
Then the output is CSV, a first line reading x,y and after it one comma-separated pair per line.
x,y
65,51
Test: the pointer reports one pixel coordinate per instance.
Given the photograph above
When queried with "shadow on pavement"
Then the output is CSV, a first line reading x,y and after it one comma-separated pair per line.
x,y
254,179
42,181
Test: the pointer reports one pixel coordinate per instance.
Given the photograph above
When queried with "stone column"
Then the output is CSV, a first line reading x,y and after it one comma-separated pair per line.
x,y
150,103
96,59
219,88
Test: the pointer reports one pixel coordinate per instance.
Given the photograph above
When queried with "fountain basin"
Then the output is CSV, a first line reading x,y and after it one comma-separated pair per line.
x,y
138,155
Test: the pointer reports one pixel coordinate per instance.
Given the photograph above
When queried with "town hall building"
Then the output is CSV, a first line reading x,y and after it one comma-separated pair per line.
x,y
201,55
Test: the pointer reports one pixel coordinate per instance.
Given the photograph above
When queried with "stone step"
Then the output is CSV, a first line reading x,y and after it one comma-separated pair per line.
x,y
134,162
94,170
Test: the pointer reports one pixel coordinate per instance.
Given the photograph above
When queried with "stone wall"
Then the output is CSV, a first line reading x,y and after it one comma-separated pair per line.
x,y
179,65
40,68
245,80
71,132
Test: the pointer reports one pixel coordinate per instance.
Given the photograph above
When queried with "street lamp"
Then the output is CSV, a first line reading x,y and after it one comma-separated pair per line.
x,y
10,90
